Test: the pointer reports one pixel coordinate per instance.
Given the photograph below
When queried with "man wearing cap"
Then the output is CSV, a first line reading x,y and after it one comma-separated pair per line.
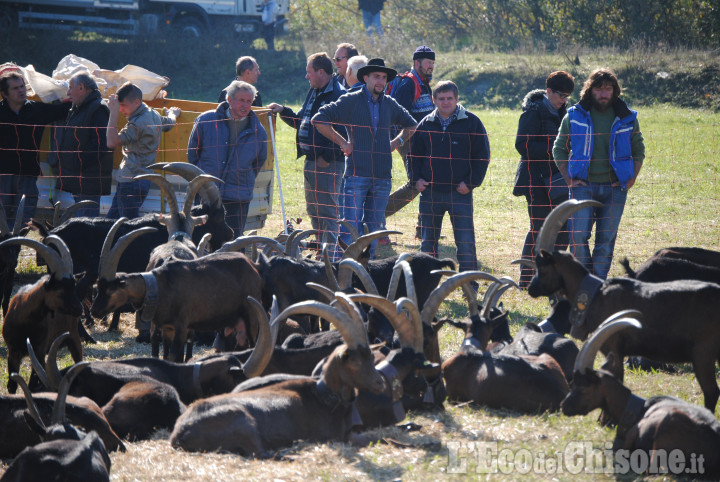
x,y
413,92
324,162
368,115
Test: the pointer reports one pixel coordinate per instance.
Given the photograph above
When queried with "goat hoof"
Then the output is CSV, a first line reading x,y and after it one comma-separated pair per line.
x,y
143,337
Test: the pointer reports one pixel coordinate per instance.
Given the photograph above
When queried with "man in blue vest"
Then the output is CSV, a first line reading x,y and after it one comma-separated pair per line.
x,y
599,150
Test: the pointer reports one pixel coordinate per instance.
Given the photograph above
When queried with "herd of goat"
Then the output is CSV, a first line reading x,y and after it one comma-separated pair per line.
x,y
288,377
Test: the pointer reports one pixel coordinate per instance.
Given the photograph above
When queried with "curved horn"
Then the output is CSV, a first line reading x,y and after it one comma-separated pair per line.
x,y
58,415
395,277
53,372
209,192
409,281
203,247
329,273
525,262
61,247
292,244
347,267
468,291
354,234
111,257
193,188
407,305
56,213
441,292
609,327
323,290
73,208
165,187
557,217
242,242
349,330
402,325
491,298
55,263
32,408
261,354
38,368
357,247
353,311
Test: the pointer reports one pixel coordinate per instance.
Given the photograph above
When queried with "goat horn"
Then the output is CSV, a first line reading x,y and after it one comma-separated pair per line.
x,y
56,214
165,186
493,293
61,247
3,220
357,247
354,233
73,208
351,333
403,326
53,372
242,242
395,277
274,324
441,292
193,188
525,262
292,244
19,215
55,263
323,290
409,281
329,273
111,257
360,335
261,354
607,328
203,246
58,415
38,368
407,305
347,267
209,192
555,220
468,291
32,408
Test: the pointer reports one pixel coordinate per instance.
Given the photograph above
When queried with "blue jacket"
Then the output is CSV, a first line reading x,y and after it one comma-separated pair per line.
x,y
235,161
582,140
444,159
371,156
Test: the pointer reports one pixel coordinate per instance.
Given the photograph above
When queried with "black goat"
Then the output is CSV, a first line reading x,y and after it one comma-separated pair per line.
x,y
661,268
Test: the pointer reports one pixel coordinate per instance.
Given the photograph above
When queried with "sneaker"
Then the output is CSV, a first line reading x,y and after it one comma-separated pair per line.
x,y
418,232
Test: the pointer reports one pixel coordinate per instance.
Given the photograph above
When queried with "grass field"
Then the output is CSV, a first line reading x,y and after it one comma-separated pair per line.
x,y
675,202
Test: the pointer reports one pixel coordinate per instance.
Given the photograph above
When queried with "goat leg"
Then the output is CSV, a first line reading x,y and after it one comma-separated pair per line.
x,y
115,323
84,335
704,367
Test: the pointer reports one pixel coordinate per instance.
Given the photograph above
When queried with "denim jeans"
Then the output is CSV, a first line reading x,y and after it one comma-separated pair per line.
x,y
433,206
236,215
364,202
322,188
129,196
12,188
372,20
91,211
606,220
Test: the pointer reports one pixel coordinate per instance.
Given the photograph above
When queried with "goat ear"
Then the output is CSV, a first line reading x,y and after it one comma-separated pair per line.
x,y
545,254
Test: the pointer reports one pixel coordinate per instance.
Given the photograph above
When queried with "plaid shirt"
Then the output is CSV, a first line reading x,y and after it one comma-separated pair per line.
x,y
446,122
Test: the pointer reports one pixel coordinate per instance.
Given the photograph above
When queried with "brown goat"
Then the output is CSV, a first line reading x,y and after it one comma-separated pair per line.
x,y
256,422
658,423
44,309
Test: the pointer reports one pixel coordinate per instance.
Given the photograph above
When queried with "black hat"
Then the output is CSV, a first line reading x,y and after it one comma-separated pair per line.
x,y
424,52
376,65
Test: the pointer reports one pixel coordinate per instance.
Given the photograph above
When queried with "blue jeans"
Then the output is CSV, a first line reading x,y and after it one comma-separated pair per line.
x,y
322,188
236,215
12,188
372,20
129,196
606,220
92,211
433,206
364,202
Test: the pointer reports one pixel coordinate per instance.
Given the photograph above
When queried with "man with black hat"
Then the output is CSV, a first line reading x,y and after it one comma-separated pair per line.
x,y
413,92
368,115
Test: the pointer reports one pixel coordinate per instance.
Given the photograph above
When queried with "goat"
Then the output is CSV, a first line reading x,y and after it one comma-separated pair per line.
x,y
256,422
66,453
44,309
523,383
658,423
680,317
9,254
707,257
661,268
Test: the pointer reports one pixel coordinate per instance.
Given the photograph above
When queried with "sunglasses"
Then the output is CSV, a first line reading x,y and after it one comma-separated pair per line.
x,y
338,59
562,95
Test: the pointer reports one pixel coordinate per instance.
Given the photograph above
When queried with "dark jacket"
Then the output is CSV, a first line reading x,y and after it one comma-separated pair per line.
x,y
445,159
85,162
323,147
235,161
371,155
21,133
405,93
537,130
372,6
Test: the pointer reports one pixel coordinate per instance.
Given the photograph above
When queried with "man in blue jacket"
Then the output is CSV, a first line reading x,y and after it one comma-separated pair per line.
x,y
599,150
368,115
230,143
448,159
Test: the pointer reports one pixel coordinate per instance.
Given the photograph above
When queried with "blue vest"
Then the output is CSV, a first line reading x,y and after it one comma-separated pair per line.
x,y
582,142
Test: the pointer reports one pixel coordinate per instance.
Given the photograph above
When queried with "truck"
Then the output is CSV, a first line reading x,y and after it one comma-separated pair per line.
x,y
189,18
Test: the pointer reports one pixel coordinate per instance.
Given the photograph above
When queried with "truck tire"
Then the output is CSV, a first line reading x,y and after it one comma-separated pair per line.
x,y
189,28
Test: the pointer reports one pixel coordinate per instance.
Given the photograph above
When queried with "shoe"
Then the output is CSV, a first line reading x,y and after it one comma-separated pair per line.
x,y
418,232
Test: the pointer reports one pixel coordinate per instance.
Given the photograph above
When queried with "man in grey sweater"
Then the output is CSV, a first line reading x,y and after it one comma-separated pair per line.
x,y
367,115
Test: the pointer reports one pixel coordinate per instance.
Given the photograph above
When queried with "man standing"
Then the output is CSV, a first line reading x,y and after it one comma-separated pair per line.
x,y
269,15
449,157
247,70
84,162
230,143
370,10
599,150
413,92
343,54
368,114
22,123
140,139
324,162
